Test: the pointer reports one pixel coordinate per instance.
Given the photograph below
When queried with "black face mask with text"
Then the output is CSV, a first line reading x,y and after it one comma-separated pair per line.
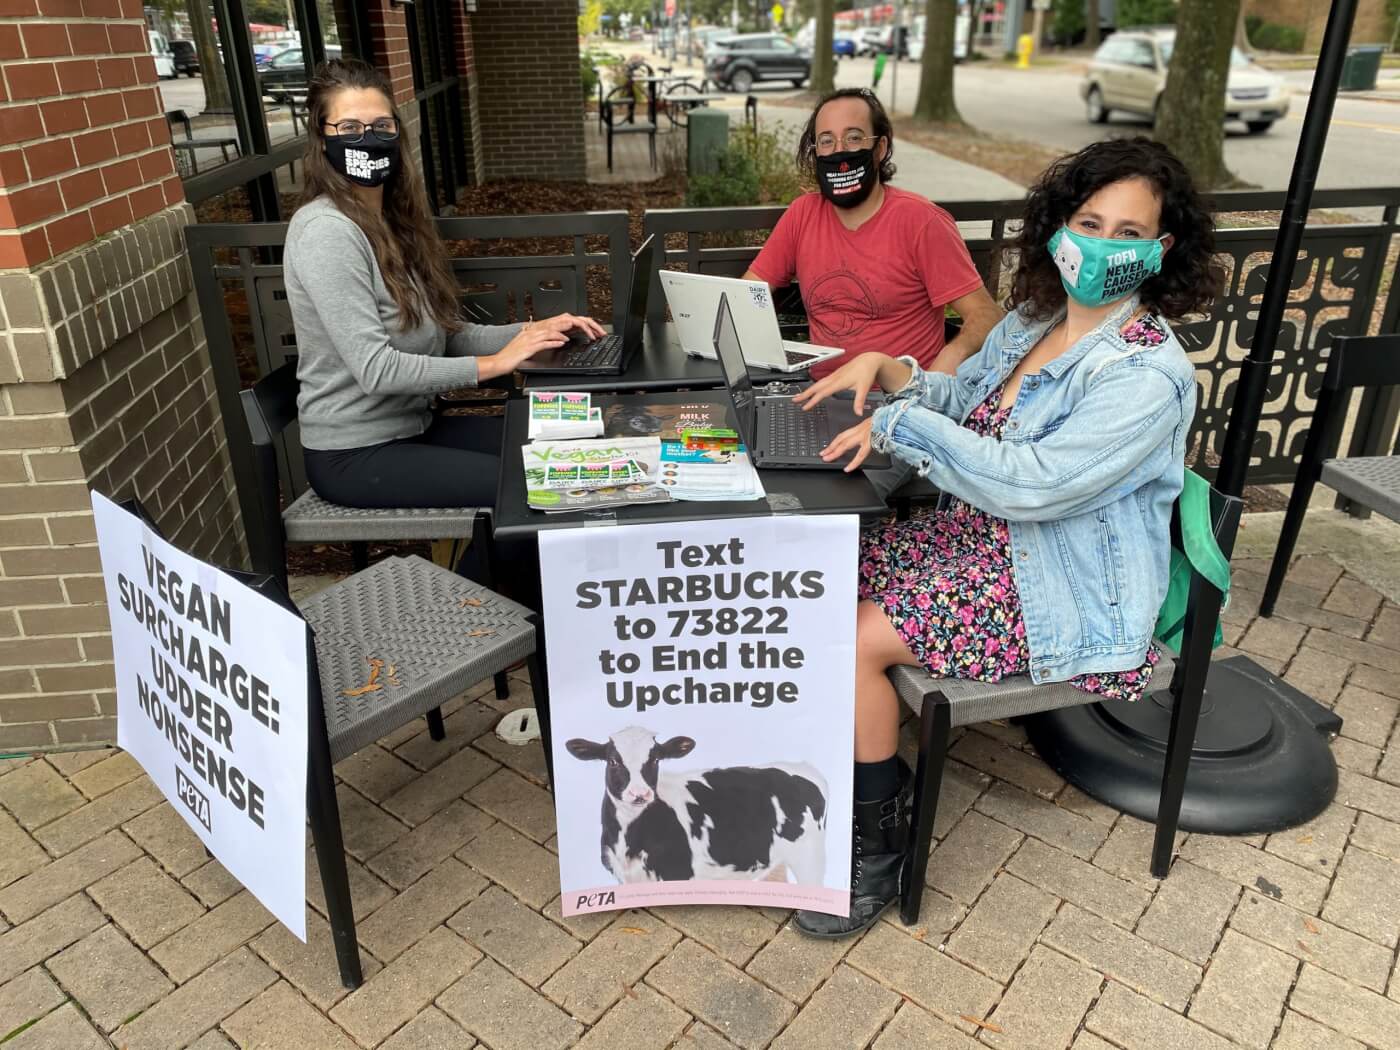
x,y
368,162
847,179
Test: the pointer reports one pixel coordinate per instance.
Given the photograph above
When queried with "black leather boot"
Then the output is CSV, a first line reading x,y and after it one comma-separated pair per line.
x,y
878,842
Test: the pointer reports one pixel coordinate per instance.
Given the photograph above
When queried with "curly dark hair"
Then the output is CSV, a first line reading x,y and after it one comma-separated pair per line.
x,y
879,124
1190,278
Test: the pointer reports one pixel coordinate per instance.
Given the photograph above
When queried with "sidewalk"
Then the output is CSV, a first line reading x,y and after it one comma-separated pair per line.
x,y
1041,929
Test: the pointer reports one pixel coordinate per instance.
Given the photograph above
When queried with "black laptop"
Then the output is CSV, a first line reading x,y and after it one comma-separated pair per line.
x,y
779,434
610,355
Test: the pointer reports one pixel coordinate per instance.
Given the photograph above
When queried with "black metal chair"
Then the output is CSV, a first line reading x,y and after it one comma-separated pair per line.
x,y
420,633
944,703
620,97
1370,481
269,408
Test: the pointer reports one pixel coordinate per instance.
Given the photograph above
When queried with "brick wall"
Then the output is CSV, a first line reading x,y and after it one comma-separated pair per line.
x,y
1371,26
529,97
104,376
389,43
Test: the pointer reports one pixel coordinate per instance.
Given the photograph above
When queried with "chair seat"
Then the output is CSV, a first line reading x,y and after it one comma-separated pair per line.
x,y
640,127
1373,481
971,702
310,519
419,620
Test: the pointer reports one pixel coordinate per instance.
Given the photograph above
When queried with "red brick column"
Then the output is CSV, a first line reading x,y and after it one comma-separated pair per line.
x,y
83,140
465,47
389,43
104,375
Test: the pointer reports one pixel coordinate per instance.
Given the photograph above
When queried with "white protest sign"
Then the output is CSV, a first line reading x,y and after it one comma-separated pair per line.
x,y
211,700
702,689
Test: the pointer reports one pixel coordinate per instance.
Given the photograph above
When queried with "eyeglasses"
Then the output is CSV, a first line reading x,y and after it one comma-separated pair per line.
x,y
385,129
852,140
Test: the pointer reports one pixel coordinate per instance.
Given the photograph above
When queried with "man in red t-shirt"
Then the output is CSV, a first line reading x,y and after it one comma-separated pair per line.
x,y
876,265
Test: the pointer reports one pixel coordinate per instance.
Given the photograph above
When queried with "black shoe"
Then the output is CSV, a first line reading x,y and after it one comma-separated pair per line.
x,y
878,843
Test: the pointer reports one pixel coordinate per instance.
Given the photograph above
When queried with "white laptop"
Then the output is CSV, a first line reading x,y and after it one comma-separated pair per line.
x,y
694,302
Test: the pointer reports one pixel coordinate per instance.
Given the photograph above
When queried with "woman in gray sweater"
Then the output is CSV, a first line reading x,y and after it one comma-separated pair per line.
x,y
378,326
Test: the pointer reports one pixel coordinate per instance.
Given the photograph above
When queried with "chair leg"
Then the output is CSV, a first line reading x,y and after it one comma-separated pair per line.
x,y
436,730
934,726
1188,689
1287,539
359,556
324,815
486,562
539,686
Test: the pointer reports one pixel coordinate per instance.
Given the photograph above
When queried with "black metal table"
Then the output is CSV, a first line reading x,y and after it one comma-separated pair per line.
x,y
789,491
660,365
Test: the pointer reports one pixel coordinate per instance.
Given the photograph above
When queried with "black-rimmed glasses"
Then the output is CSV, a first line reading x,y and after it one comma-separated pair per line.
x,y
385,129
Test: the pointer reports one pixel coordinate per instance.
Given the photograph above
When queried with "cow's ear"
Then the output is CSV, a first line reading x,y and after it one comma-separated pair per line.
x,y
586,749
677,746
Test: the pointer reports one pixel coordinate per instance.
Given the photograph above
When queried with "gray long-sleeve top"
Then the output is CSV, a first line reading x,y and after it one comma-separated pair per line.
x,y
365,379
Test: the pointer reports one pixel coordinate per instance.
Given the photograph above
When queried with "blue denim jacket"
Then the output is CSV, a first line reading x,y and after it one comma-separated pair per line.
x,y
1086,474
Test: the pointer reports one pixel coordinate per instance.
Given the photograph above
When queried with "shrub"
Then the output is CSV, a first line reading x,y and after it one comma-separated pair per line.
x,y
1273,37
589,77
1146,13
755,168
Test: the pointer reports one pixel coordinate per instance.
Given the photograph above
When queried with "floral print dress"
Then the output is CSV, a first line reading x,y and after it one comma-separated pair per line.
x,y
945,581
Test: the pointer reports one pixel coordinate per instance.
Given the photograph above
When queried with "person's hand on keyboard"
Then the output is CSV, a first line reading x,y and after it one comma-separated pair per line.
x,y
855,440
858,376
573,326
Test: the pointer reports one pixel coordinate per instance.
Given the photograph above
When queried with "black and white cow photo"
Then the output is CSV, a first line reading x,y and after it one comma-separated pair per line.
x,y
734,822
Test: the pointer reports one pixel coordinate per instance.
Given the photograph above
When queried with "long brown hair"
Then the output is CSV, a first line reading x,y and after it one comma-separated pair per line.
x,y
406,244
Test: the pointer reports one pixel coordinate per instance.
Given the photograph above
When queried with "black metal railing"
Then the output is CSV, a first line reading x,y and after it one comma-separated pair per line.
x,y
1337,289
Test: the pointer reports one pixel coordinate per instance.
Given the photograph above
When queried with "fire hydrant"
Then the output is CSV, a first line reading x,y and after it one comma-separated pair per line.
x,y
1025,44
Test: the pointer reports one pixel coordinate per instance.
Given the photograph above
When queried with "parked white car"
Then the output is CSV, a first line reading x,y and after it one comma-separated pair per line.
x,y
160,51
1129,72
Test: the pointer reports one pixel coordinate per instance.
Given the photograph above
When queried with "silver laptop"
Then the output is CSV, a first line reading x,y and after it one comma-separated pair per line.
x,y
694,297
778,433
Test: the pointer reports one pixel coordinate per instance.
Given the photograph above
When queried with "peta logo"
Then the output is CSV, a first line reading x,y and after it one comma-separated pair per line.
x,y
359,164
605,899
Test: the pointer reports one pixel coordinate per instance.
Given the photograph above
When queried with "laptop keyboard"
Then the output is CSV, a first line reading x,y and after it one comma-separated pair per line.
x,y
791,431
602,353
795,358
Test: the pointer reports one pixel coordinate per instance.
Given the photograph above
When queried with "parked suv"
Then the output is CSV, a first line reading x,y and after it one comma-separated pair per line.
x,y
185,56
286,72
738,62
1129,72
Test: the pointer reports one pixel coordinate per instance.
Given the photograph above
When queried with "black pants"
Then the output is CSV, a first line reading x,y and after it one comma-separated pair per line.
x,y
456,462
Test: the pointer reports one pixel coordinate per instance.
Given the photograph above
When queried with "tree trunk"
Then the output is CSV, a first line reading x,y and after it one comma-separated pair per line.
x,y
1191,111
823,62
1091,23
211,70
935,100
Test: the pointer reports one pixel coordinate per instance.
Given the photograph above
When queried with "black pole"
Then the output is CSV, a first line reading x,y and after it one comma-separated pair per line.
x,y
1254,374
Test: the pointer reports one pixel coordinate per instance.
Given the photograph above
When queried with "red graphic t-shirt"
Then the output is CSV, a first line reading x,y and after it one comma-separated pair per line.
x,y
881,287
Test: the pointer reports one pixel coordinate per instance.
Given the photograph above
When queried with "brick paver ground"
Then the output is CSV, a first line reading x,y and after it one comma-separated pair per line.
x,y
1041,927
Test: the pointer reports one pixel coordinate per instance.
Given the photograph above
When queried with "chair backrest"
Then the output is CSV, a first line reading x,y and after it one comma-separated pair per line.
x,y
1366,361
269,408
179,116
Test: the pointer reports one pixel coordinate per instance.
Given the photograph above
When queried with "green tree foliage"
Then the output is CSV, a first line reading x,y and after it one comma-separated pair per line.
x,y
1191,113
1269,36
1147,12
935,101
266,12
1067,20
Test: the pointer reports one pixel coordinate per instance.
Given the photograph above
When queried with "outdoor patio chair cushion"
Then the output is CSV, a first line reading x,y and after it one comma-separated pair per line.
x,y
972,702
1373,481
438,634
310,519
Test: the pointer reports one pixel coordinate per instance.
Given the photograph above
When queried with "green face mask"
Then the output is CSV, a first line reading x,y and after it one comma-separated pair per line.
x,y
1098,270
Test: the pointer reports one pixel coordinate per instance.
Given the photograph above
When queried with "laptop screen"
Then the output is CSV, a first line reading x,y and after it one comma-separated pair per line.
x,y
637,294
736,372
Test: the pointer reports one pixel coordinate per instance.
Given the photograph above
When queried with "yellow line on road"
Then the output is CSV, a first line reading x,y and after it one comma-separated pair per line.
x,y
1389,129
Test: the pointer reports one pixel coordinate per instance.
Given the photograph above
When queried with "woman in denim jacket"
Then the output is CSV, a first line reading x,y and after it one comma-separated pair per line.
x,y
1059,447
